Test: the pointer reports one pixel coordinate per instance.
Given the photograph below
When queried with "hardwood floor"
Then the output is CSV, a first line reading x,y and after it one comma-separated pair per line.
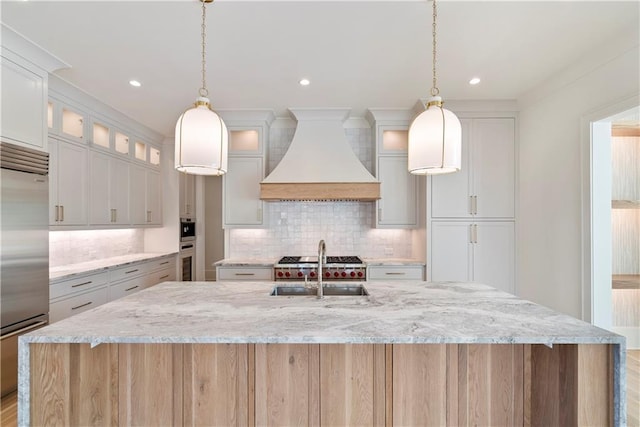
x,y
9,409
9,405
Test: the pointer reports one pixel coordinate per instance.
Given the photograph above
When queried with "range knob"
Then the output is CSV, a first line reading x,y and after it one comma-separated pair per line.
x,y
300,274
280,274
336,274
327,274
312,274
287,274
343,274
360,274
353,274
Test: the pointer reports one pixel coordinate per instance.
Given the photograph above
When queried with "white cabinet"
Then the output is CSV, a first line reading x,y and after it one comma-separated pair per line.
x,y
146,197
395,272
481,252
248,273
67,184
485,187
127,287
241,189
109,190
77,304
24,100
187,195
397,206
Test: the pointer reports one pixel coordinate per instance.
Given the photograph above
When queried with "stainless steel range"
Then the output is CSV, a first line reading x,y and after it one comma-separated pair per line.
x,y
341,268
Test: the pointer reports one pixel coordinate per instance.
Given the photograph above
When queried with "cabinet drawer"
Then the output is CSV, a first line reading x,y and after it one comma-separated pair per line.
x,y
127,272
161,264
77,284
166,275
125,288
245,273
68,307
409,272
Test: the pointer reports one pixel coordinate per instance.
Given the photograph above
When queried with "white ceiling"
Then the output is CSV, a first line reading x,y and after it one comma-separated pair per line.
x,y
357,54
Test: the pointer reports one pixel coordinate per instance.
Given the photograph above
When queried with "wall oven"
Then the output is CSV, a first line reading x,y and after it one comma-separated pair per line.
x,y
187,230
187,261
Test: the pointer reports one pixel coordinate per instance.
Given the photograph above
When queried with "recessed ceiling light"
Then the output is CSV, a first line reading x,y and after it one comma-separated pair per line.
x,y
135,83
304,82
474,81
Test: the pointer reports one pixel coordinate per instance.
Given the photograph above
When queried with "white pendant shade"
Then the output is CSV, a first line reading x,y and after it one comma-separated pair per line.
x,y
435,141
202,141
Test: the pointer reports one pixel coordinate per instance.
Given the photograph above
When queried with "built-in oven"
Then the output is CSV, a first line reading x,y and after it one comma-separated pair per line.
x,y
187,256
187,230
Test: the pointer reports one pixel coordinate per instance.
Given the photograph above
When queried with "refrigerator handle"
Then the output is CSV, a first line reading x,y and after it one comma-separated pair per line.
x,y
26,328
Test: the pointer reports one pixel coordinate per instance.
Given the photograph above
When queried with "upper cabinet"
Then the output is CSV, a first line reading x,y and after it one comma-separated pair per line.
x,y
248,130
24,82
485,186
400,201
187,195
67,184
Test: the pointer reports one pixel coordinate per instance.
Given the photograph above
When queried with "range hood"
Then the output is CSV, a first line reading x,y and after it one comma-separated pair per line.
x,y
320,164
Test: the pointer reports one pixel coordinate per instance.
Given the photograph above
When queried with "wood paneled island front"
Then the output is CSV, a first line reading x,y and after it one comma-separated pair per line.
x,y
410,354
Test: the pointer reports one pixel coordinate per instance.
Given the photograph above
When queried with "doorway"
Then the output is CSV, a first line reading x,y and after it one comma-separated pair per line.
x,y
615,224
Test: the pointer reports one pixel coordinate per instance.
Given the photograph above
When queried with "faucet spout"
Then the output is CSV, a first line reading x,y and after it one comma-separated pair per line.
x,y
322,254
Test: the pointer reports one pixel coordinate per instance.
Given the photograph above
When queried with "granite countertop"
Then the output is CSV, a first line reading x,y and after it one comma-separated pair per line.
x,y
64,272
392,261
243,312
245,262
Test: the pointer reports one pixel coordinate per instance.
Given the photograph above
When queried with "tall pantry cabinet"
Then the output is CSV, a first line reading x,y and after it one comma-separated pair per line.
x,y
471,213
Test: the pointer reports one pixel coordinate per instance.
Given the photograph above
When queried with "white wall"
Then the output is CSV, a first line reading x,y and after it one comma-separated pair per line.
x,y
552,141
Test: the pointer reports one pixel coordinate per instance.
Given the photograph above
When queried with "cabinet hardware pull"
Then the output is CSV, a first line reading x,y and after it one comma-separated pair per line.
x,y
470,205
470,233
81,284
57,214
163,263
245,274
127,290
475,205
188,208
82,305
148,216
62,213
164,277
475,233
130,271
393,273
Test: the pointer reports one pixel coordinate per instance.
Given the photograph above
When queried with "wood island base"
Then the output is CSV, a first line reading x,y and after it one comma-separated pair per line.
x,y
321,384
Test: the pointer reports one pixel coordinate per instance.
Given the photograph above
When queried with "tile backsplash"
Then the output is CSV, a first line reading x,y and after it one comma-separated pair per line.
x,y
295,228
71,247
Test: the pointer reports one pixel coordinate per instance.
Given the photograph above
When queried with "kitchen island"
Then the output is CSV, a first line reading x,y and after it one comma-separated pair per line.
x,y
228,353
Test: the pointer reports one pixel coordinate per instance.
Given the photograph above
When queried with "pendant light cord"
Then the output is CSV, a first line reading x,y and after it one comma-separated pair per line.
x,y
203,90
434,89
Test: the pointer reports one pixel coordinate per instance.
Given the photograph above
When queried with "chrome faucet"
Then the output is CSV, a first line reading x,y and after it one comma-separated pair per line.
x,y
322,257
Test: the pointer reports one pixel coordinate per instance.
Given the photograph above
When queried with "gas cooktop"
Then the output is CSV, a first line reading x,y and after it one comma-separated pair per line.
x,y
335,268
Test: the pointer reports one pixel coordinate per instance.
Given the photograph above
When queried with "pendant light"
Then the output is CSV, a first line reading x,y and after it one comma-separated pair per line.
x,y
435,136
202,138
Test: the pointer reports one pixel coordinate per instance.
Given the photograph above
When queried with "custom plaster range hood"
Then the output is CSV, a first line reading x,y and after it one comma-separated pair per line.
x,y
320,164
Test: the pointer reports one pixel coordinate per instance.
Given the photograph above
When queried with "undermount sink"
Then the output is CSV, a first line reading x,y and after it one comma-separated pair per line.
x,y
300,290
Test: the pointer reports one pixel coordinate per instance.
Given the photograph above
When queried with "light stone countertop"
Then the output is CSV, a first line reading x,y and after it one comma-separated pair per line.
x,y
63,272
243,312
392,262
246,262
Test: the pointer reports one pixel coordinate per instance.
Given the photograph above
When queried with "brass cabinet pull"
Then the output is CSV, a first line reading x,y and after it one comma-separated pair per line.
x,y
82,305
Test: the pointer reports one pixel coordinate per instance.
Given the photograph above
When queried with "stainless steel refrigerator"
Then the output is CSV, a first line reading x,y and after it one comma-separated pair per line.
x,y
24,251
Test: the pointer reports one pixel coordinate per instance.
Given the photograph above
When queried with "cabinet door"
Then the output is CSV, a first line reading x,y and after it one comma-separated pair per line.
x,y
119,190
397,206
23,105
72,184
451,251
154,198
187,195
138,195
493,167
99,206
494,255
450,193
54,213
242,204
